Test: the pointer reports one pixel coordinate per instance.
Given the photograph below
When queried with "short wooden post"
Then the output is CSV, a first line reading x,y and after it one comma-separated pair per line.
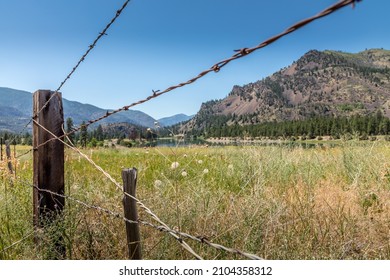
x,y
129,177
48,160
8,153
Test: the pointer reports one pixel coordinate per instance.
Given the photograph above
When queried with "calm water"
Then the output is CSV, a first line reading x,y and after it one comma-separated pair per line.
x,y
188,142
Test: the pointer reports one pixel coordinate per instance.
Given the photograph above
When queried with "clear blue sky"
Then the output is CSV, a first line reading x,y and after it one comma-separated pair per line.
x,y
156,44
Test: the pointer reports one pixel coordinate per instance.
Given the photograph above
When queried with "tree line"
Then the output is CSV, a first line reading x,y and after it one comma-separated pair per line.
x,y
218,126
126,134
362,126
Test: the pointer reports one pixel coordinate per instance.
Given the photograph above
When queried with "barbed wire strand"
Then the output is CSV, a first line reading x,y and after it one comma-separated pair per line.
x,y
219,65
147,210
25,237
101,34
83,57
109,212
23,154
20,134
159,228
204,240
117,215
141,205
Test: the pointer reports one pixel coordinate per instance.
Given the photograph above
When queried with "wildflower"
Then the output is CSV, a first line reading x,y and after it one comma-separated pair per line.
x,y
200,161
157,183
184,174
174,165
205,171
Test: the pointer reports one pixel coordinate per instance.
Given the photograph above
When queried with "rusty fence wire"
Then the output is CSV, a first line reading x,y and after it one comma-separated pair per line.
x,y
178,235
83,57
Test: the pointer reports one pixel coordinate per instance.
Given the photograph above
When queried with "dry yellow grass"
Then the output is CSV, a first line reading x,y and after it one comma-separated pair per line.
x,y
276,202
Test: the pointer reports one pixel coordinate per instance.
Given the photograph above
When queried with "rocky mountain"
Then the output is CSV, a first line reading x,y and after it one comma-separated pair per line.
x,y
320,83
16,110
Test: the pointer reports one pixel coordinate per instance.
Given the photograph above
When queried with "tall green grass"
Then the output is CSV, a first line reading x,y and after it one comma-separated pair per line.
x,y
276,202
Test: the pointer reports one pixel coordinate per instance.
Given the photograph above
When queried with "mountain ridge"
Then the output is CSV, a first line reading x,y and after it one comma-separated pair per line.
x,y
16,111
175,119
320,83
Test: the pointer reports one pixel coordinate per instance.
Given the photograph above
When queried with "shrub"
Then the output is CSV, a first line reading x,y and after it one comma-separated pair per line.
x,y
363,136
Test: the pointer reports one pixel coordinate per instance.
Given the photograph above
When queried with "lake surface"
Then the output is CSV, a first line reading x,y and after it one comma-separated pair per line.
x,y
199,142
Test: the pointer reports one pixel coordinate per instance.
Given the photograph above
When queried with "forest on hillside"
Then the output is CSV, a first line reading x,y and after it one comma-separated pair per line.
x,y
336,127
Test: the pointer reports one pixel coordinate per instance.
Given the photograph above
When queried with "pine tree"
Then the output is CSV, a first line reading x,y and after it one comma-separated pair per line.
x,y
83,135
99,133
69,128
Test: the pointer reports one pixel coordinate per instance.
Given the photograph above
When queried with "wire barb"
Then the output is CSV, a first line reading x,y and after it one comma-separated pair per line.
x,y
243,51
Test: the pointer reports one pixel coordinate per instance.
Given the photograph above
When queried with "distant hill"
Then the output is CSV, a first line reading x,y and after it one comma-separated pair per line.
x,y
16,110
320,83
168,121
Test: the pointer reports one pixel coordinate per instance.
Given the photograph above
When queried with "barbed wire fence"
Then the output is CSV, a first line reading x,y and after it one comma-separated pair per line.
x,y
162,228
178,236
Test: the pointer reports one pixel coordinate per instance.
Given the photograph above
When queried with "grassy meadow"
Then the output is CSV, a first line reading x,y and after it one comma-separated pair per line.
x,y
275,202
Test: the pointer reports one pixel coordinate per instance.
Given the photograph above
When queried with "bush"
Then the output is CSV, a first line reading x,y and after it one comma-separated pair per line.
x,y
347,136
336,136
364,136
126,143
93,143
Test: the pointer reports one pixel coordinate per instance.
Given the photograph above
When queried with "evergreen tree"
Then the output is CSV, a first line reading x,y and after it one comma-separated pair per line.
x,y
99,133
83,135
69,128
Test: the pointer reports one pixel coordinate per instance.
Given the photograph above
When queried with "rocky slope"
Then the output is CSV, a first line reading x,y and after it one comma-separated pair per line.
x,y
320,83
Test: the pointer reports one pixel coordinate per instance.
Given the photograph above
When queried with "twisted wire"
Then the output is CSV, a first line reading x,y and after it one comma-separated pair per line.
x,y
83,57
162,228
141,205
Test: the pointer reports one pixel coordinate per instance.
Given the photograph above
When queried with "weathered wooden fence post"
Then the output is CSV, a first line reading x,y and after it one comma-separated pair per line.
x,y
48,160
8,153
129,177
